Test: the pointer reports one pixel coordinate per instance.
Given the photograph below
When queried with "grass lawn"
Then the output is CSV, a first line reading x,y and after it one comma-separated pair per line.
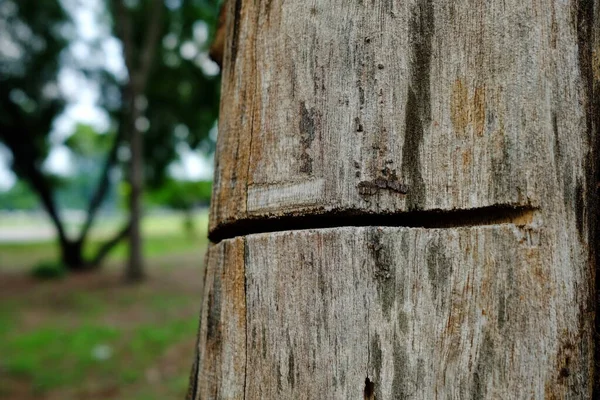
x,y
89,336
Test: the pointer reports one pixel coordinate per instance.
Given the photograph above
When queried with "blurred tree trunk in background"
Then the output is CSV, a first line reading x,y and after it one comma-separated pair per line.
x,y
139,59
404,202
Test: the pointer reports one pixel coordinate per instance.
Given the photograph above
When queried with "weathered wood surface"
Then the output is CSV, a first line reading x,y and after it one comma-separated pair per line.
x,y
343,105
489,312
386,107
221,348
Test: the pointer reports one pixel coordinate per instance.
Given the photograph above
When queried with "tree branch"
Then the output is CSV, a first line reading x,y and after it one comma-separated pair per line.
x,y
125,33
148,50
39,185
103,184
25,160
109,245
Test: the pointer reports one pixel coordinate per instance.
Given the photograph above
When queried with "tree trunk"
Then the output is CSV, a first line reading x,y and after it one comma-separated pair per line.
x,y
135,268
72,255
139,61
404,202
189,226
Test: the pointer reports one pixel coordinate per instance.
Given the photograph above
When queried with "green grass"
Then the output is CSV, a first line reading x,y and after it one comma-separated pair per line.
x,y
155,245
25,255
70,352
53,356
91,336
162,234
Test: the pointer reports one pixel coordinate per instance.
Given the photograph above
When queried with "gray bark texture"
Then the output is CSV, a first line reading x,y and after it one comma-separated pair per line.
x,y
404,203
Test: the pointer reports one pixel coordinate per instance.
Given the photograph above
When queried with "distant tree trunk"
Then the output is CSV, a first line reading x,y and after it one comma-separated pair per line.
x,y
72,255
135,268
404,203
188,222
139,61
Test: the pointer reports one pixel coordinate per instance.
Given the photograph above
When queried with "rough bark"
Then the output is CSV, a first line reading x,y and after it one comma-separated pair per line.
x,y
459,104
222,336
468,132
218,45
473,312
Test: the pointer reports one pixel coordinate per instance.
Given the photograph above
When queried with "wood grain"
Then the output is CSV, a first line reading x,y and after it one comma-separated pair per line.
x,y
220,368
333,106
359,108
482,313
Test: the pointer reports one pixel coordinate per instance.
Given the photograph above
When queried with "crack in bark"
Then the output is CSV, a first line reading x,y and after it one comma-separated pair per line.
x,y
429,219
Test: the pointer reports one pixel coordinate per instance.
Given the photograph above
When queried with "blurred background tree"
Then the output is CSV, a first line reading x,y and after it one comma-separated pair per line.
x,y
33,40
161,107
70,108
170,96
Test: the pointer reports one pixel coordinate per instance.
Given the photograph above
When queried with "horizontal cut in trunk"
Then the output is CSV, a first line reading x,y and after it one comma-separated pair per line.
x,y
466,133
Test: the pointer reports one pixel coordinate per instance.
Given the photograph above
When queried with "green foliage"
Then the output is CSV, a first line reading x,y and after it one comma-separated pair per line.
x,y
182,100
181,195
29,98
88,148
19,197
49,270
86,143
72,192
